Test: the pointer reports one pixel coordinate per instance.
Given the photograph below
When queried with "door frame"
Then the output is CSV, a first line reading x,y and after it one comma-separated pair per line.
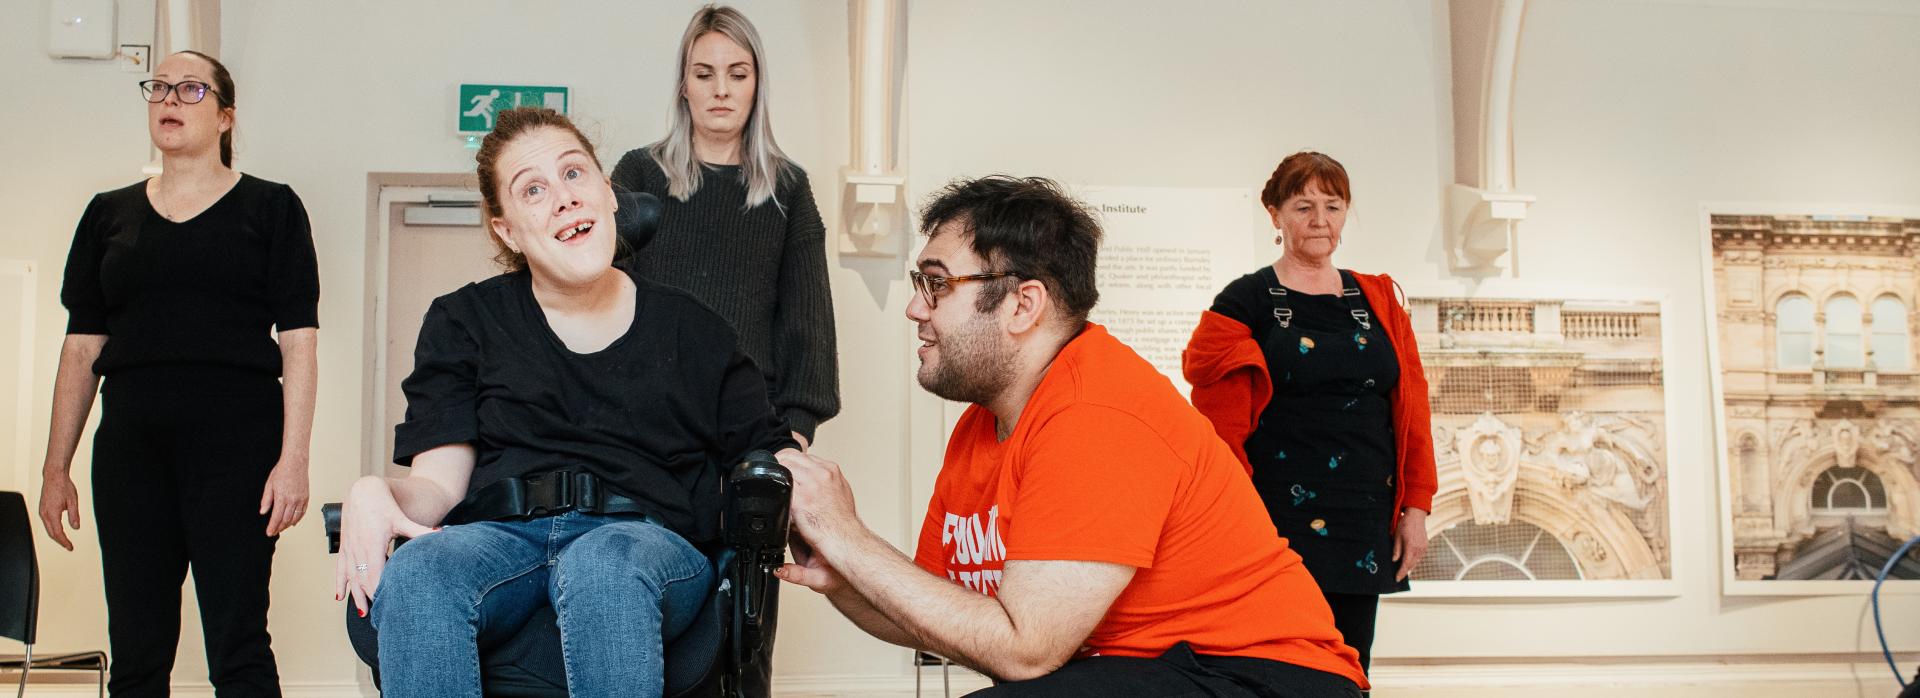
x,y
384,189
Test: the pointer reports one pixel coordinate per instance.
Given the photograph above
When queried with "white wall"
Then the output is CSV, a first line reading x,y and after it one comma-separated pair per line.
x,y
1629,115
63,143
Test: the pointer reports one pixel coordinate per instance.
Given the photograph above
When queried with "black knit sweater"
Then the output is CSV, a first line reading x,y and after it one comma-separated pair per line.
x,y
764,269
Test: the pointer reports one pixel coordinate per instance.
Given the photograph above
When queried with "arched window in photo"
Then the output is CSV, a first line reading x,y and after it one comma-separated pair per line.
x,y
1844,348
1891,350
1848,491
1511,551
1793,332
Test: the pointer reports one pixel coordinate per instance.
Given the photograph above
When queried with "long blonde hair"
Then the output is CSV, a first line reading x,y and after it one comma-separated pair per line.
x,y
761,160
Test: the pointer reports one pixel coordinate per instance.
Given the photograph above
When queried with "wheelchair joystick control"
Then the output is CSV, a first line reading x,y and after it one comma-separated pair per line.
x,y
758,517
757,513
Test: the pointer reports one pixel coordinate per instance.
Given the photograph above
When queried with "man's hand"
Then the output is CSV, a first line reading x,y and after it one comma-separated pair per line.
x,y
1410,542
822,499
810,570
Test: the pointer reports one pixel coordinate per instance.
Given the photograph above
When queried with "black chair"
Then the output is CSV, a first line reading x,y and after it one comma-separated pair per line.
x,y
20,599
729,643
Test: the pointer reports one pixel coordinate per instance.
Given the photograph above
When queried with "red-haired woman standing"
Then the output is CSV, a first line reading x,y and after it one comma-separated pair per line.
x,y
1310,373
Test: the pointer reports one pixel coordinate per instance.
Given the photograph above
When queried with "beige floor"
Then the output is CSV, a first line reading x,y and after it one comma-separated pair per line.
x,y
1743,690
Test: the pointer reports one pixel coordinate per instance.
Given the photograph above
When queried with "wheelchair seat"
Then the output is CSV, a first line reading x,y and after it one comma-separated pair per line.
x,y
726,652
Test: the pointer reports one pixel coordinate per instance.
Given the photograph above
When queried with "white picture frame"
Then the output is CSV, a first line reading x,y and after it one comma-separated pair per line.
x,y
1678,552
1731,584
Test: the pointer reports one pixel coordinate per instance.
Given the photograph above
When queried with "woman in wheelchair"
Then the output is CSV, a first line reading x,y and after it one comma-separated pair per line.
x,y
567,424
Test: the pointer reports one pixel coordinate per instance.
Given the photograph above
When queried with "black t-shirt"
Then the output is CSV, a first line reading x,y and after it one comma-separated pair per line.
x,y
659,414
204,292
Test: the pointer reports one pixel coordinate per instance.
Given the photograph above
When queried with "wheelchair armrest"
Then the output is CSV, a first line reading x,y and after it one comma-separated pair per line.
x,y
330,520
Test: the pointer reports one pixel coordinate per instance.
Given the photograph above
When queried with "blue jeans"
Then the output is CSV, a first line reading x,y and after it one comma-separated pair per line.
x,y
619,585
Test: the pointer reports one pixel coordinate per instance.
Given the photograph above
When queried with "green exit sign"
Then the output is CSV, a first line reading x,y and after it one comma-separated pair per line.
x,y
479,103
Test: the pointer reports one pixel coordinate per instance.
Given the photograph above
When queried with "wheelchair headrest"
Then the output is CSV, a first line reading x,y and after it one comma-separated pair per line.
x,y
638,218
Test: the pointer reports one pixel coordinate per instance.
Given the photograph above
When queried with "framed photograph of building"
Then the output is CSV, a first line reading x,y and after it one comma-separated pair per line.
x,y
1816,394
1551,436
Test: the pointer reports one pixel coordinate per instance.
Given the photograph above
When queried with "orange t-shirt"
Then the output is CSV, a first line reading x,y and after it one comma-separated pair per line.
x,y
1109,464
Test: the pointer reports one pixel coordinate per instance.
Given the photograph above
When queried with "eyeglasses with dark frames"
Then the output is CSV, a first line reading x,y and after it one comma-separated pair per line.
x,y
189,91
931,287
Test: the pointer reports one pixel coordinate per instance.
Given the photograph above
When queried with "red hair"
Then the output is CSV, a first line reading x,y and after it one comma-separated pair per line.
x,y
1300,170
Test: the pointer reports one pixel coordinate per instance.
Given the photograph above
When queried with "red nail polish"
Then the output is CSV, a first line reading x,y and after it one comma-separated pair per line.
x,y
363,613
336,597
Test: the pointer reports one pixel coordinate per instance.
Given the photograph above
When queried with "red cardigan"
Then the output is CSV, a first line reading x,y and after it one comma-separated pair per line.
x,y
1231,387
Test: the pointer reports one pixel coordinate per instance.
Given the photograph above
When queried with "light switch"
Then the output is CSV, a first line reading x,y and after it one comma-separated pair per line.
x,y
81,28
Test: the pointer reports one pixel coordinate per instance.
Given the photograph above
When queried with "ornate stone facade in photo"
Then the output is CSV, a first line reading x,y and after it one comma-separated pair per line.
x,y
1822,414
1549,425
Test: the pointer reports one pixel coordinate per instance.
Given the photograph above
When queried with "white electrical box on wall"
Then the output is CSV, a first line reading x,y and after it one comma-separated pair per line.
x,y
81,28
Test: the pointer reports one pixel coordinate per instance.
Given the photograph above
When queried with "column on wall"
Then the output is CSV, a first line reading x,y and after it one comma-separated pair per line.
x,y
1546,324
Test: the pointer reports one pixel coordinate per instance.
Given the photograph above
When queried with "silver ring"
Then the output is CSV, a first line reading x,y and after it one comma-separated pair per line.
x,y
360,567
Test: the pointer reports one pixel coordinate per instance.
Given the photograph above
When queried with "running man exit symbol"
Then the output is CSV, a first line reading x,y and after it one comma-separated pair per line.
x,y
479,103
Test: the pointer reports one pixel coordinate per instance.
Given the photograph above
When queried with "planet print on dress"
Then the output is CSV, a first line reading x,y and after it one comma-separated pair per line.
x,y
1280,456
1306,344
1360,341
1367,563
1301,494
1334,462
1320,526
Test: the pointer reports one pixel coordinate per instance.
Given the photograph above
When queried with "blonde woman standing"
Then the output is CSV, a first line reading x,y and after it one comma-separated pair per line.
x,y
740,230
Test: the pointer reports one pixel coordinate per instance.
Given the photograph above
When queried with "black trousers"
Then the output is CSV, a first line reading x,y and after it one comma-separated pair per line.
x,y
1353,615
1179,674
179,464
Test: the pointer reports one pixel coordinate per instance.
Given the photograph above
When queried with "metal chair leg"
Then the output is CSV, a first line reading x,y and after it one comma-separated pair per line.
x,y
26,667
946,676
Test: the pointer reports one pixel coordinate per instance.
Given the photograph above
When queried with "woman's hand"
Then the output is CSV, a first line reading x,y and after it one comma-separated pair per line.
x,y
369,521
285,495
1410,542
58,500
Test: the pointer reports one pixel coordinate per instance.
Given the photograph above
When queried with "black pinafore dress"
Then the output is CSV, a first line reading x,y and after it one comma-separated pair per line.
x,y
1323,453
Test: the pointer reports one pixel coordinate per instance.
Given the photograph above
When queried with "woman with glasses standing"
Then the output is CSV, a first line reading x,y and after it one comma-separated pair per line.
x,y
740,230
195,295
